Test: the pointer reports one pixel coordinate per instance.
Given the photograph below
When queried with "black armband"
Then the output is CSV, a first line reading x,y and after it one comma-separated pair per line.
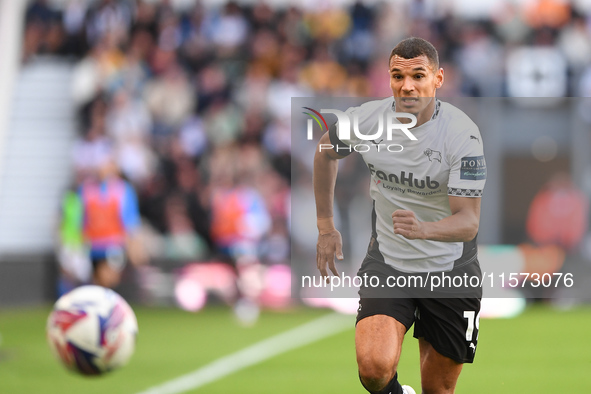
x,y
338,146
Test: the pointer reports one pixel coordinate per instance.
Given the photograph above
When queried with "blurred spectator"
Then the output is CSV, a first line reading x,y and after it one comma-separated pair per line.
x,y
170,99
110,223
39,12
480,55
252,94
240,217
42,30
282,90
73,20
192,137
128,119
89,150
510,24
575,43
109,18
212,87
228,29
97,73
558,214
327,24
547,13
129,124
72,255
182,242
323,74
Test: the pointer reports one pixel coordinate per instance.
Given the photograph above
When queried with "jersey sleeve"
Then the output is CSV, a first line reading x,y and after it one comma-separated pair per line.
x,y
130,210
467,174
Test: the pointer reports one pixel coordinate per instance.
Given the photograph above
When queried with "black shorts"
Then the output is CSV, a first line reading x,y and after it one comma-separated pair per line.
x,y
449,324
114,256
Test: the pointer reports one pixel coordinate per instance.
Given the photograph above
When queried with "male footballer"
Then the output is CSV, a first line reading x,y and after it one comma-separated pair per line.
x,y
426,211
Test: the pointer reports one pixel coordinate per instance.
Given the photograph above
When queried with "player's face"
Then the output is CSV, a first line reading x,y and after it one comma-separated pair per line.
x,y
414,82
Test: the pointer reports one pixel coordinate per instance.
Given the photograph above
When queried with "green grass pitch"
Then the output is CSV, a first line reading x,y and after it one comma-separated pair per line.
x,y
541,351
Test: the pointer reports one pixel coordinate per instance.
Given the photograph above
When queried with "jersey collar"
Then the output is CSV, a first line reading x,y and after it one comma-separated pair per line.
x,y
435,112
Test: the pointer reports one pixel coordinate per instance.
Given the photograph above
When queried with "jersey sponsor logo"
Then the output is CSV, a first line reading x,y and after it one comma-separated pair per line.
x,y
473,168
433,154
473,137
404,178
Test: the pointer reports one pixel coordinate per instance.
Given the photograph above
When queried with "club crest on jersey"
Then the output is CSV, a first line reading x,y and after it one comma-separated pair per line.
x,y
433,154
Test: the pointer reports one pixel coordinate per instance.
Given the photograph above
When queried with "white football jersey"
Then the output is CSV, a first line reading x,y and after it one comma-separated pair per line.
x,y
446,159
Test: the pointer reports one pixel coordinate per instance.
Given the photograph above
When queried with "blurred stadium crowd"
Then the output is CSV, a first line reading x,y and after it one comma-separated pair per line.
x,y
195,106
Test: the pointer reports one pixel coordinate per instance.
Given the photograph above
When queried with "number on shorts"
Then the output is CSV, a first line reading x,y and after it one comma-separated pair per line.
x,y
472,322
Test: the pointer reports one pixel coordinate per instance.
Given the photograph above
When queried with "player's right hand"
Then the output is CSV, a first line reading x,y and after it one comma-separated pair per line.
x,y
329,245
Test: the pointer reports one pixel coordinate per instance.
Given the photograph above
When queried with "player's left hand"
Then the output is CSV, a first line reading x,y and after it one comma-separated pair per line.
x,y
406,224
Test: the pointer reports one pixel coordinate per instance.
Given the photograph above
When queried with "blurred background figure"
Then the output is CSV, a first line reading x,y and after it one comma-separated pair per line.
x,y
72,254
558,214
111,223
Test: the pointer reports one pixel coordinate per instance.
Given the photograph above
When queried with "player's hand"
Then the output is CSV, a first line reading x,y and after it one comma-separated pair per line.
x,y
329,245
406,224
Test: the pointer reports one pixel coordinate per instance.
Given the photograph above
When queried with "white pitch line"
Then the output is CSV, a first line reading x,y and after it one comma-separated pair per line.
x,y
305,334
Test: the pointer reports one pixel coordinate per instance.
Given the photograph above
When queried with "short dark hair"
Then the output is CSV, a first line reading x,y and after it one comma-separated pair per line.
x,y
412,47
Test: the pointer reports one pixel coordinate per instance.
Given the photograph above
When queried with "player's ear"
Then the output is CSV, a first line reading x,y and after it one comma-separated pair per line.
x,y
439,78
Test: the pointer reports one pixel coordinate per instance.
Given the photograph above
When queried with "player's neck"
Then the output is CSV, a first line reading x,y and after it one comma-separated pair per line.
x,y
426,114
423,116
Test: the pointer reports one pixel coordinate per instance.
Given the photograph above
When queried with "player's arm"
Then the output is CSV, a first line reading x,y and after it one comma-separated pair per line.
x,y
467,177
130,215
325,175
461,226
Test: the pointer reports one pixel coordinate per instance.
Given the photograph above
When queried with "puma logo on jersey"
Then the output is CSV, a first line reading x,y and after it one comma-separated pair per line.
x,y
473,137
433,154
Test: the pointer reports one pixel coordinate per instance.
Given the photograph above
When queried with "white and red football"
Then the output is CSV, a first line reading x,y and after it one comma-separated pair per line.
x,y
92,330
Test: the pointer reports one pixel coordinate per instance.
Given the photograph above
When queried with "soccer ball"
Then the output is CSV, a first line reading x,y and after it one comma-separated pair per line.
x,y
92,330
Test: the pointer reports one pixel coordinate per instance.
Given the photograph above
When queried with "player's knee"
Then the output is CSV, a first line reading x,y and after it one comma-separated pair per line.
x,y
106,276
437,390
375,373
443,387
